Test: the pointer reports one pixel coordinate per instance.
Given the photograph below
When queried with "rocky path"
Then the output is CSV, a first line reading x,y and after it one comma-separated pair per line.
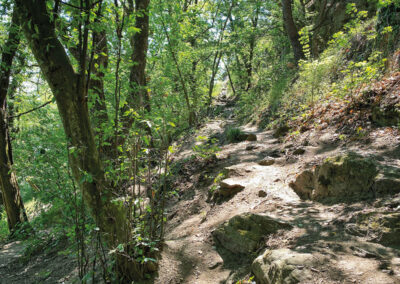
x,y
264,168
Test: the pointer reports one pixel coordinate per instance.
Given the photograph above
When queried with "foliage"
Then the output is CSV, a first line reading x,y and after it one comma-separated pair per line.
x,y
3,226
234,134
206,148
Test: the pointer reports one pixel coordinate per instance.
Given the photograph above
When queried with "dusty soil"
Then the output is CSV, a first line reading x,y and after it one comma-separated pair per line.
x,y
45,266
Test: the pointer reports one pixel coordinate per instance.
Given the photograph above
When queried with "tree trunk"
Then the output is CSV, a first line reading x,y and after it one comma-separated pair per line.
x,y
138,97
72,105
291,30
249,65
96,83
110,215
8,182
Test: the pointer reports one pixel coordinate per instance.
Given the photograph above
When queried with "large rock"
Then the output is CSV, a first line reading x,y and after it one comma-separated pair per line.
x,y
349,175
243,234
283,266
387,181
304,184
345,177
380,227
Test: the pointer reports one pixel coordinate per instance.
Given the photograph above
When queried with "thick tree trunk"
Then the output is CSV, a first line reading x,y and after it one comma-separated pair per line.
x,y
72,105
8,182
291,30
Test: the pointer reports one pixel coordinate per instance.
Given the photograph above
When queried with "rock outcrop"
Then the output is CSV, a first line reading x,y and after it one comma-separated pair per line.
x,y
283,266
243,234
379,227
346,177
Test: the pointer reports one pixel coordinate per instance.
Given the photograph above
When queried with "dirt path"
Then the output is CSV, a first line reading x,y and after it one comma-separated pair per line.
x,y
189,255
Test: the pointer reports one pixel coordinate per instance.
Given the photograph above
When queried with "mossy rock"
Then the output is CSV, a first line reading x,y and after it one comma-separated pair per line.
x,y
243,234
283,266
347,177
380,227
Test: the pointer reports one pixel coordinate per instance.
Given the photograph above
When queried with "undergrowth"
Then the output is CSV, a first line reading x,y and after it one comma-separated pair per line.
x,y
353,60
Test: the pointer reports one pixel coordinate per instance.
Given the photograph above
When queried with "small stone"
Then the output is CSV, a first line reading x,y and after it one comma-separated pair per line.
x,y
262,193
290,145
250,147
305,143
266,162
299,151
251,137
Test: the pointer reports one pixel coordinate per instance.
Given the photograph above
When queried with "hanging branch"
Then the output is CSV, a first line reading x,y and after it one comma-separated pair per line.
x,y
31,110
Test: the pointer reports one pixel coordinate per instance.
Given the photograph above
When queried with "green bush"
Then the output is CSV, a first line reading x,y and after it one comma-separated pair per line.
x,y
234,134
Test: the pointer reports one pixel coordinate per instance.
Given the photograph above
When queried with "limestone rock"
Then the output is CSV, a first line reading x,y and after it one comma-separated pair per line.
x,y
251,147
282,266
242,234
229,187
388,181
345,177
266,162
349,175
380,227
304,184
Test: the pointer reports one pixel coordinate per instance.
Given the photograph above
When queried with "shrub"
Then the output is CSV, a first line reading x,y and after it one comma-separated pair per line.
x,y
234,134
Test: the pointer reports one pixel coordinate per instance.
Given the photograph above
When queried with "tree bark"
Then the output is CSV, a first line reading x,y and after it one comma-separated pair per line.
x,y
291,30
138,96
8,182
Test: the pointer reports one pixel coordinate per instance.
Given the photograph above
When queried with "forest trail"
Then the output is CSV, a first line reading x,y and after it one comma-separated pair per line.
x,y
190,255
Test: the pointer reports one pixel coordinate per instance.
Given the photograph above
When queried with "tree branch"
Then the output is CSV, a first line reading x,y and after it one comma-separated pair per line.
x,y
31,110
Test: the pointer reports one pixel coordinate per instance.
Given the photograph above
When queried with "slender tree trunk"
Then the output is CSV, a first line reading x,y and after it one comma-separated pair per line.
x,y
192,116
138,97
249,65
96,83
230,79
291,30
8,182
218,55
139,45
